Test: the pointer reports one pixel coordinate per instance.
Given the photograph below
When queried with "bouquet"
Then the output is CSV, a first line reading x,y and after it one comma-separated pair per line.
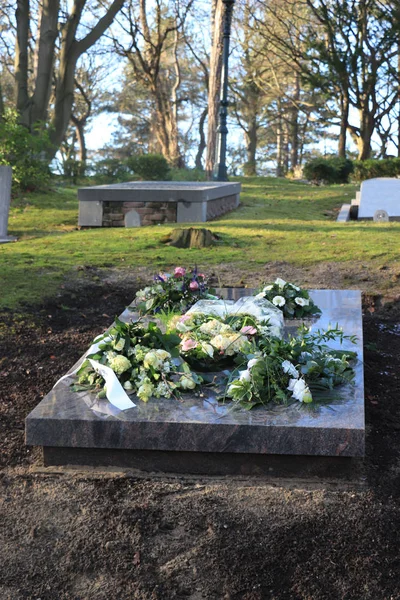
x,y
209,342
294,302
176,292
293,369
145,361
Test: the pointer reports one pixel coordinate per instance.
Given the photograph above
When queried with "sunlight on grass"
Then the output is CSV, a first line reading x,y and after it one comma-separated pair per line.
x,y
277,220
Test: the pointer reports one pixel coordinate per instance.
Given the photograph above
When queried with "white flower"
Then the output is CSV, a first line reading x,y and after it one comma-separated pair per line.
x,y
151,360
208,349
260,295
280,283
268,288
162,390
187,383
300,390
289,368
145,391
119,345
244,375
252,362
295,287
234,387
128,386
302,301
120,364
163,355
279,301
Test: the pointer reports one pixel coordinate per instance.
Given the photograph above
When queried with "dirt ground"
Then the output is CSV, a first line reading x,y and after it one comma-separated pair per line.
x,y
87,535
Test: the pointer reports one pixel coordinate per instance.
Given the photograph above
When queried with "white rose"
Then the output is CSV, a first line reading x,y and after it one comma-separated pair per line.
x,y
268,288
252,362
300,390
128,386
244,375
187,383
280,282
302,301
279,301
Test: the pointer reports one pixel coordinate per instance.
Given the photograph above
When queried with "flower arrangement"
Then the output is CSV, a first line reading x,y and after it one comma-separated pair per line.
x,y
295,302
145,361
294,369
209,342
173,292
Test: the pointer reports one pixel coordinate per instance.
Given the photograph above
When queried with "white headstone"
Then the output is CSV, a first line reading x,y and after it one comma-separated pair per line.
x,y
382,193
132,219
5,198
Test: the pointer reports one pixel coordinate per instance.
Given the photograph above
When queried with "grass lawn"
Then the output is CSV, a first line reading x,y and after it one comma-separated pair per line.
x,y
278,220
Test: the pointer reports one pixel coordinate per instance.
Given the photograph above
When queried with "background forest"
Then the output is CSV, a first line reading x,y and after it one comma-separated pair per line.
x,y
307,78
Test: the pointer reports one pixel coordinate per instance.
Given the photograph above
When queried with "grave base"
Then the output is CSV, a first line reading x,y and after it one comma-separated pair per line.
x,y
8,238
207,463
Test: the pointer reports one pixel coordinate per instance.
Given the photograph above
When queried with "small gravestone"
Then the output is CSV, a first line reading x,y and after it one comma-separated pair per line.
x,y
381,216
132,219
5,198
380,194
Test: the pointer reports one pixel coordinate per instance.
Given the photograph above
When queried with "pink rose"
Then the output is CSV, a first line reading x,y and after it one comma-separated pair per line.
x,y
179,271
188,344
248,330
194,285
201,275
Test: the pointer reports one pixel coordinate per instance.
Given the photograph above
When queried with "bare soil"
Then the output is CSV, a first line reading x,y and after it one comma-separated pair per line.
x,y
73,535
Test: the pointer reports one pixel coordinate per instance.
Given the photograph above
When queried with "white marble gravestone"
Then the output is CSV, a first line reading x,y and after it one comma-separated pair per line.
x,y
5,198
380,194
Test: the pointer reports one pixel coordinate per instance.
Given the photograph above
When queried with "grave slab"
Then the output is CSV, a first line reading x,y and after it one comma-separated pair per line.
x,y
194,201
71,427
5,198
381,193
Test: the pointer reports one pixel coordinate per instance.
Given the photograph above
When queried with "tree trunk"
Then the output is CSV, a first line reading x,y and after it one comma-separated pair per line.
x,y
367,126
44,60
202,143
21,55
344,122
250,136
294,125
214,89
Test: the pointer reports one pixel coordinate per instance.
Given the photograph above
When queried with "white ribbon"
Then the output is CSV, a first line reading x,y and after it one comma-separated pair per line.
x,y
115,393
114,390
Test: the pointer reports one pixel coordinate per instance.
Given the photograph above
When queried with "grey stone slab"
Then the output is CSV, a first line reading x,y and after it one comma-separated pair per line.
x,y
5,199
344,214
381,193
201,424
152,191
132,219
191,212
210,463
90,213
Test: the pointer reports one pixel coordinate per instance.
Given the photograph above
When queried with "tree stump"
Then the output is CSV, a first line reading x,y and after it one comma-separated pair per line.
x,y
190,238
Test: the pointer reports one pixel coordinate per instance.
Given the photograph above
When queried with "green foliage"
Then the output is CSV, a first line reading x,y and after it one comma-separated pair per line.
x,y
328,170
187,175
150,167
25,152
111,170
368,169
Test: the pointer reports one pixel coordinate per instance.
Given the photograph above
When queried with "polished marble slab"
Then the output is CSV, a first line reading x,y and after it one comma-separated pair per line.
x,y
198,423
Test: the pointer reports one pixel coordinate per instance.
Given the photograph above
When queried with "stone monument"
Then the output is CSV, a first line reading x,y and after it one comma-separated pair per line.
x,y
5,198
380,194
